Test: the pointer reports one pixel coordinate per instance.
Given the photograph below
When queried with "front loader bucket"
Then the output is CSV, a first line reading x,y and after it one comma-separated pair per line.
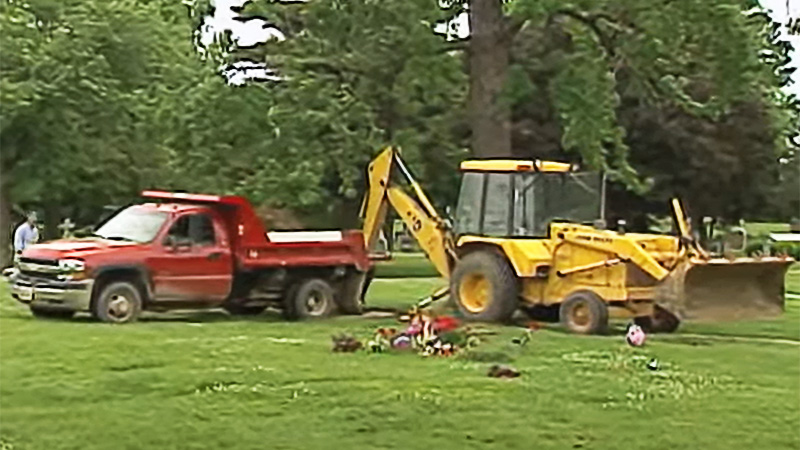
x,y
722,289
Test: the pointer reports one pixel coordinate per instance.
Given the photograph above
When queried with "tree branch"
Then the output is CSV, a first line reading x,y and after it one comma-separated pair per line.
x,y
514,26
591,21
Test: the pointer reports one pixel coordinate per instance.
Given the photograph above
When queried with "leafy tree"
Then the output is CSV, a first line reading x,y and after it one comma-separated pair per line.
x,y
82,84
699,55
355,76
699,156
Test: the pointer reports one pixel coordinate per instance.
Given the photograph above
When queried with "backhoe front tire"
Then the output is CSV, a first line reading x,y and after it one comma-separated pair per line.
x,y
584,312
484,287
662,321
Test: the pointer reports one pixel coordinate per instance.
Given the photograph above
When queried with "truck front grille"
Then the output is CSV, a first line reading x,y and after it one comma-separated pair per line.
x,y
39,262
39,268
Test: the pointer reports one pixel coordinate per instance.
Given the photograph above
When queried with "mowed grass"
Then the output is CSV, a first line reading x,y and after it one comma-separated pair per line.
x,y
405,265
205,380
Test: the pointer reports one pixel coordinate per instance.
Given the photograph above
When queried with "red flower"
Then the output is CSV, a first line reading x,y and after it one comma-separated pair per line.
x,y
445,323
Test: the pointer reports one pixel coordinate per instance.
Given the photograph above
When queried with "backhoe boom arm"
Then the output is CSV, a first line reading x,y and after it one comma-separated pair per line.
x,y
419,215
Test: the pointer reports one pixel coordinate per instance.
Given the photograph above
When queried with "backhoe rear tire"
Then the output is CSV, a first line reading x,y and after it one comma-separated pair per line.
x,y
484,287
584,312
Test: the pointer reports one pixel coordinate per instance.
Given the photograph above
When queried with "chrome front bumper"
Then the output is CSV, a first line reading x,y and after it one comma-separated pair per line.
x,y
51,294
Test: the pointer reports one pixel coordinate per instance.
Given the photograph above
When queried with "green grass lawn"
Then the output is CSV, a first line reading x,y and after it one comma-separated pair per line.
x,y
405,265
765,228
204,380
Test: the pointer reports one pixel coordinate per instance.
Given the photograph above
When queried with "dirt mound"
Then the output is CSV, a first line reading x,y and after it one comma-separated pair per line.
x,y
279,218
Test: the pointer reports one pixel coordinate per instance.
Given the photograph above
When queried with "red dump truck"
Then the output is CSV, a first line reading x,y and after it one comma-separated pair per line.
x,y
190,251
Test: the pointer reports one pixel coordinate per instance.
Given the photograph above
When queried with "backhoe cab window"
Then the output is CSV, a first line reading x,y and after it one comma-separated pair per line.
x,y
524,204
470,204
542,198
496,207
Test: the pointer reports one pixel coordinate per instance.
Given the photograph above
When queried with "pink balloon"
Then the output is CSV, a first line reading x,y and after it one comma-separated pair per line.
x,y
635,336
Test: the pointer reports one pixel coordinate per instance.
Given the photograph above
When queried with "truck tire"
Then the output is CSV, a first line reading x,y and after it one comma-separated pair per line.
x,y
312,298
584,312
49,313
350,297
484,287
662,321
118,302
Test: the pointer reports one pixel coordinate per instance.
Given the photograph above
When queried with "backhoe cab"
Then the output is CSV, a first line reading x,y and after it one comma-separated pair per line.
x,y
525,235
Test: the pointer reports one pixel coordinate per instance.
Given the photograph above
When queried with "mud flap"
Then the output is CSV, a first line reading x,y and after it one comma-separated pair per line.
x,y
723,290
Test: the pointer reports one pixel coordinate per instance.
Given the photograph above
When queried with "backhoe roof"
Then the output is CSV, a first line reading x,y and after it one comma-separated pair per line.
x,y
514,165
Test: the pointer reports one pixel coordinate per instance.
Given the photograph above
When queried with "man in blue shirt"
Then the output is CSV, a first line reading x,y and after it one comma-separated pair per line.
x,y
26,234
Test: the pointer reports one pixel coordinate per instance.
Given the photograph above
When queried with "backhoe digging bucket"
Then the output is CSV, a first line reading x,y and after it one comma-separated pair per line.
x,y
722,289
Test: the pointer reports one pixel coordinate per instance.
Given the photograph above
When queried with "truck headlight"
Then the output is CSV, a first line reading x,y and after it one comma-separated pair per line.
x,y
71,265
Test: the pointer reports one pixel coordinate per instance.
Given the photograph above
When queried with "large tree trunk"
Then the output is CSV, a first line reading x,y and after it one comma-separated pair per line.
x,y
488,67
52,217
6,227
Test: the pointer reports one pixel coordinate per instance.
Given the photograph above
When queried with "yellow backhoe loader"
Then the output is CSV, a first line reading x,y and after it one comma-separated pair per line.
x,y
526,234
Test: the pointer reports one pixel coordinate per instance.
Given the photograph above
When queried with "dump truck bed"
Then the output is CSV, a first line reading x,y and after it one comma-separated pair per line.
x,y
307,248
255,248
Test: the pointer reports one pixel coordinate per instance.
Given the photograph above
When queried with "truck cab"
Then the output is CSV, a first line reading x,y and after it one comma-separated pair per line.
x,y
190,251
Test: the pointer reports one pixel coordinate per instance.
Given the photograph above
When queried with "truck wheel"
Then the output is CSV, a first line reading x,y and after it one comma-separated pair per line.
x,y
584,312
48,313
662,321
236,309
350,298
118,302
484,288
310,299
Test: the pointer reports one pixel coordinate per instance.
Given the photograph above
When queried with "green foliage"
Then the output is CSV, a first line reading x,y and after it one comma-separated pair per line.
x,y
83,84
703,56
787,248
362,75
103,98
586,101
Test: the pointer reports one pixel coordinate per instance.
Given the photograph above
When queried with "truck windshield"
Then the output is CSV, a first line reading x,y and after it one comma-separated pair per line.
x,y
133,224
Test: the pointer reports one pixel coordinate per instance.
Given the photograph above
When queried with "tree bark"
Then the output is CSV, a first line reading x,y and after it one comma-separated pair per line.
x,y
52,217
488,67
6,227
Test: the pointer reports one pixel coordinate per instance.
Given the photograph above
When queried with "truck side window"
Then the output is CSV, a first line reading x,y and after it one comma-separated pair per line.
x,y
179,231
201,230
195,229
